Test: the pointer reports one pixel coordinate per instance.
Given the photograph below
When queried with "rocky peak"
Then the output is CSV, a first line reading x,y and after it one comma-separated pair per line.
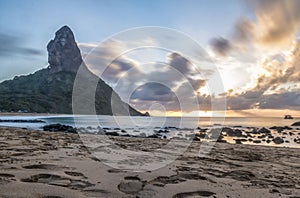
x,y
63,52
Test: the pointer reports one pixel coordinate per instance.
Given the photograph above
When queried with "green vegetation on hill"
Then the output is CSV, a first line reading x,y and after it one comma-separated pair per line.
x,y
46,92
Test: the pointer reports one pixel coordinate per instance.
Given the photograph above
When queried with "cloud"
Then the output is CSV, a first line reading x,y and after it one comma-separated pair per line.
x,y
179,62
275,24
277,21
170,81
153,92
221,46
13,45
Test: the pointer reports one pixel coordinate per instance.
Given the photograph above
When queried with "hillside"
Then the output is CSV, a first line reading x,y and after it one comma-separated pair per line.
x,y
49,90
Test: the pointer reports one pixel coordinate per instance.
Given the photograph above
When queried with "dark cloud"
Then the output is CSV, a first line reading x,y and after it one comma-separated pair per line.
x,y
13,45
180,63
221,46
153,92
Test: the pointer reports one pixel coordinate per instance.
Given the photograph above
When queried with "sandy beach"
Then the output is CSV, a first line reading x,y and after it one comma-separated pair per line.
x,y
48,164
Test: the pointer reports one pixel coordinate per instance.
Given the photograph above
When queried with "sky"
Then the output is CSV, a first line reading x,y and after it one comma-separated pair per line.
x,y
250,46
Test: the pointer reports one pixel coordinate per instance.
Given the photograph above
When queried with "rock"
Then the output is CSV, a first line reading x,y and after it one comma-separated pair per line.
x,y
256,141
112,133
147,114
296,124
200,135
59,128
274,191
238,141
278,140
130,186
152,136
264,130
63,52
233,133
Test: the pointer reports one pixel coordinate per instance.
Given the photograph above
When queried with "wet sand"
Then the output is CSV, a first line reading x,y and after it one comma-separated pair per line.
x,y
48,164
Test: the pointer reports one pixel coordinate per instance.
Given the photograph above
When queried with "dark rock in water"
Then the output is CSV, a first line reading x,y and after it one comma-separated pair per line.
x,y
261,136
147,114
200,135
233,133
288,117
278,140
112,133
256,141
123,131
197,139
243,140
163,131
59,128
238,141
296,124
297,140
152,136
63,52
268,141
280,129
264,130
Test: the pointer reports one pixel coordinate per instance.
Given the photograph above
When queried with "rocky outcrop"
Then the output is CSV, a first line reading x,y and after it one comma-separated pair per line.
x,y
63,52
50,90
296,124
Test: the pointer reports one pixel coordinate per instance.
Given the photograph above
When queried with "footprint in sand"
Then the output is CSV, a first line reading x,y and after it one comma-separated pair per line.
x,y
194,194
6,178
131,185
58,180
42,166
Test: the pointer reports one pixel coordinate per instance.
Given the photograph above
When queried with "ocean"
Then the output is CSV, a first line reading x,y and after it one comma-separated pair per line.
x,y
135,126
146,122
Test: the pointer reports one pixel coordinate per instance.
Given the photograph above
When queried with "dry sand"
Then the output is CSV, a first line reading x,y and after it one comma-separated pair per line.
x,y
45,164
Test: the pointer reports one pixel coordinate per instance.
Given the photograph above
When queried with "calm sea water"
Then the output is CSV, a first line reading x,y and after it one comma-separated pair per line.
x,y
136,126
146,122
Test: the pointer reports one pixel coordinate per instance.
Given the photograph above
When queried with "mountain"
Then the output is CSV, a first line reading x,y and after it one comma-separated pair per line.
x,y
50,90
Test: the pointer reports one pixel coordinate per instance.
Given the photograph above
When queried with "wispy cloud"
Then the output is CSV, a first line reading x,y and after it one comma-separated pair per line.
x,y
13,45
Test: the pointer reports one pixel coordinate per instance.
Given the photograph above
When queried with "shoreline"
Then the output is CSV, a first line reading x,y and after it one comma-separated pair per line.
x,y
41,164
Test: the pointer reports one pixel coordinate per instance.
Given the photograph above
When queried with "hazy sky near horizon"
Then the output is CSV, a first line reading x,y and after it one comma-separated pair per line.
x,y
253,43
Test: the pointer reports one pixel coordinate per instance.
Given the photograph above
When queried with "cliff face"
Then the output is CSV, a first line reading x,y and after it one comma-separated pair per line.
x,y
63,52
50,90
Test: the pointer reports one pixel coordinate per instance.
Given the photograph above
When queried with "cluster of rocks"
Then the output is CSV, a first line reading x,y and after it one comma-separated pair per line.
x,y
251,134
59,128
254,135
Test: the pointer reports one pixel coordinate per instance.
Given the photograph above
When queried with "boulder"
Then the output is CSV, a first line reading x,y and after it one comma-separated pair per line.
x,y
278,140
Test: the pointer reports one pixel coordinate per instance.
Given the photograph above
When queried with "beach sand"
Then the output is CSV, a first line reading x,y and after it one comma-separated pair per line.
x,y
46,164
